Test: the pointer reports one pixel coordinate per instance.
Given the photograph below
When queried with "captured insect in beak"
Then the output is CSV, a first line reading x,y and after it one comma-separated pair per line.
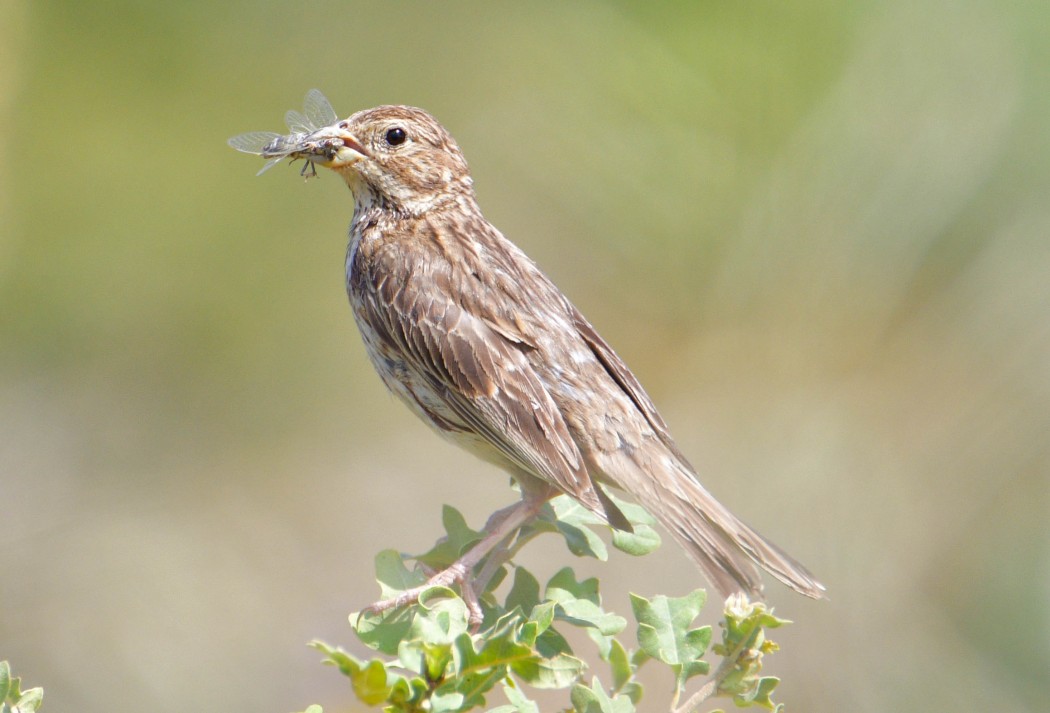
x,y
317,113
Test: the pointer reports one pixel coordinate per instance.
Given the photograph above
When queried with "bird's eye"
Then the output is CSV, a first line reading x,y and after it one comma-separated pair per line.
x,y
396,136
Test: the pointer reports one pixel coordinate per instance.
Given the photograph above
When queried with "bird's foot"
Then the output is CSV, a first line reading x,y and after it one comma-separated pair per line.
x,y
500,527
456,573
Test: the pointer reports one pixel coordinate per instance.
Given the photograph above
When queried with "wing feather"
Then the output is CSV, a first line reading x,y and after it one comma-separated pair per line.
x,y
486,381
628,382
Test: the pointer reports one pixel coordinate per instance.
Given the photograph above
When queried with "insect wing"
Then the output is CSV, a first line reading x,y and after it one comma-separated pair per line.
x,y
318,110
297,123
253,142
269,164
286,145
317,113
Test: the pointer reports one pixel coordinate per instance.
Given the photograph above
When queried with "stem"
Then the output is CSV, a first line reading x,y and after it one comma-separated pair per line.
x,y
724,669
502,524
500,554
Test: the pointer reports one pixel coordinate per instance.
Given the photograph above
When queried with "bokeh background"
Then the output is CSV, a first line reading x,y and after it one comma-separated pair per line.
x,y
819,232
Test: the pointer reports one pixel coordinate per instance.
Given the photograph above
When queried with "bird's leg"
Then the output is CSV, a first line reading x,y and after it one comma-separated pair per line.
x,y
471,587
496,558
500,527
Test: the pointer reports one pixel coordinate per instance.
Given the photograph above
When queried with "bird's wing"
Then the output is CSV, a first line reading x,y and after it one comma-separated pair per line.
x,y
485,379
628,382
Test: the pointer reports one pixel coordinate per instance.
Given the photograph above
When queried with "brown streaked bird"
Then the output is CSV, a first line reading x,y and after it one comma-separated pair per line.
x,y
465,329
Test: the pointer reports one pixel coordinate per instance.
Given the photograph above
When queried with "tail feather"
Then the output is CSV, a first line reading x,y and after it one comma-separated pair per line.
x,y
724,547
712,521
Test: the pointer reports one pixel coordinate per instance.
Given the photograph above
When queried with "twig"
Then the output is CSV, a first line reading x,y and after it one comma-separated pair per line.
x,y
724,669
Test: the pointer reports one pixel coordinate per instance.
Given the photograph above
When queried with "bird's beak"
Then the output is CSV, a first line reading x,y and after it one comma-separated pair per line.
x,y
332,147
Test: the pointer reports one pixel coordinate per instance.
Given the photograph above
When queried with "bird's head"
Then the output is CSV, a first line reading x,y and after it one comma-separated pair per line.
x,y
396,155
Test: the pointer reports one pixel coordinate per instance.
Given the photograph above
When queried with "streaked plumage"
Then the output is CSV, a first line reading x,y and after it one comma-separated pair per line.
x,y
480,344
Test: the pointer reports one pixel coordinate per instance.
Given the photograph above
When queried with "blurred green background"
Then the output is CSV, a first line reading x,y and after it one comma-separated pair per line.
x,y
819,232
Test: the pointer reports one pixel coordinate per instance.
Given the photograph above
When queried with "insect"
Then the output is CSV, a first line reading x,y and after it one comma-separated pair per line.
x,y
317,113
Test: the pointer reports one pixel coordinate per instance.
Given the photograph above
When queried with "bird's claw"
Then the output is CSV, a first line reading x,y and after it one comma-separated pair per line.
x,y
454,574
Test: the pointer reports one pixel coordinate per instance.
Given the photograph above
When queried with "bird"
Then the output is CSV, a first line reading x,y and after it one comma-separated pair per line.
x,y
466,330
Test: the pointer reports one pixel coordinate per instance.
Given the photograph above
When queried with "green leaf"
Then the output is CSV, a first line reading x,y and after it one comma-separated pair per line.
x,y
393,576
408,693
447,702
525,592
596,700
574,523
5,680
571,512
551,643
440,617
636,514
459,538
583,542
503,652
474,673
633,690
586,700
620,664
664,633
518,702
473,686
642,541
542,615
495,651
558,671
507,624
563,587
579,604
370,684
537,626
430,661
403,691
346,662
383,632
742,682
581,612
663,623
497,578
688,670
30,700
763,691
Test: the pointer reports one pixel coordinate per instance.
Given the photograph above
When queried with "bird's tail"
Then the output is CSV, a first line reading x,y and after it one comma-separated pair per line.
x,y
724,548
